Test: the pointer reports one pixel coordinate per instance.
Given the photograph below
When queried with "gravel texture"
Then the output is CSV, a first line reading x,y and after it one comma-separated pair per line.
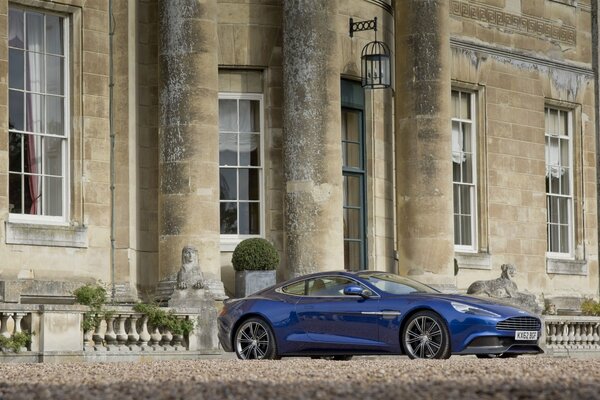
x,y
299,378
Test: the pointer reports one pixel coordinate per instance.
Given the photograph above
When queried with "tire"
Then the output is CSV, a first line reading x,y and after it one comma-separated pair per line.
x,y
254,340
425,335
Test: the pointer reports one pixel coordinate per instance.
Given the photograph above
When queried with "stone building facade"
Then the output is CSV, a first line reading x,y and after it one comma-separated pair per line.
x,y
137,127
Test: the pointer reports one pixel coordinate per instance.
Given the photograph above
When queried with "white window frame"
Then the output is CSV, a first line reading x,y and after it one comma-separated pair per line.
x,y
66,148
570,198
229,241
473,248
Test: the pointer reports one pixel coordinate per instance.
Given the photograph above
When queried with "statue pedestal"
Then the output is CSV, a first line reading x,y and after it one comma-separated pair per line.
x,y
188,298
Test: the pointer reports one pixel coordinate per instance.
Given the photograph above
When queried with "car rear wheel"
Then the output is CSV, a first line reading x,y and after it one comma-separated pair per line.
x,y
425,336
254,340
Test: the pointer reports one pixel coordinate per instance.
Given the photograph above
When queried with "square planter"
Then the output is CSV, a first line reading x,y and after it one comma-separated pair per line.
x,y
249,282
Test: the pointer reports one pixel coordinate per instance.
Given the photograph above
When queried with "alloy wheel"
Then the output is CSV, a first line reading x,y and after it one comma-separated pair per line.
x,y
423,337
253,341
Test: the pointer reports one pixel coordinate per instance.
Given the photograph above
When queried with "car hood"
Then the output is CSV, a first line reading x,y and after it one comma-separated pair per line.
x,y
496,305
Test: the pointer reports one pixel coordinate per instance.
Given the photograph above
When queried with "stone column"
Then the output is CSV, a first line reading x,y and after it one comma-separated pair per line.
x,y
312,137
423,141
188,134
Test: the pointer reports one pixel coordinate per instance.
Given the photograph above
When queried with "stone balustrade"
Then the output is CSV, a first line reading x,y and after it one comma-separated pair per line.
x,y
572,335
15,322
124,330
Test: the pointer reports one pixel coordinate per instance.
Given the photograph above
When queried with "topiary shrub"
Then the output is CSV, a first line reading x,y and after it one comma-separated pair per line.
x,y
255,254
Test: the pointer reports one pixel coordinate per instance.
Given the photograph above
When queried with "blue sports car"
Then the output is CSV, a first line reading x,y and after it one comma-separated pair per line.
x,y
341,314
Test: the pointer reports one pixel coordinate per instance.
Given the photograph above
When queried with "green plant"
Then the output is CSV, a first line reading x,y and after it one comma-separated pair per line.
x,y
16,342
159,318
255,254
93,296
590,307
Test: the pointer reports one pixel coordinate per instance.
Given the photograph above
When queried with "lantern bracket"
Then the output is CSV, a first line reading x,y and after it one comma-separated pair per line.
x,y
359,26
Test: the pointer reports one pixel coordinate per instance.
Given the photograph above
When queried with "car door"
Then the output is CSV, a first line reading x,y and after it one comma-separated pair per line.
x,y
334,321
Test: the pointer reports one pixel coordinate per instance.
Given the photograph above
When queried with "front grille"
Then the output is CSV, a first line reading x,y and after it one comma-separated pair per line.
x,y
519,324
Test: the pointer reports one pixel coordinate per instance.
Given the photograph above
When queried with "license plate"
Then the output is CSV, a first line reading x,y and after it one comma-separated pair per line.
x,y
526,335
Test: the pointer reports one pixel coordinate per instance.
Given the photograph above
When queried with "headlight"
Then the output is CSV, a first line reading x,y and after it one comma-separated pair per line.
x,y
467,309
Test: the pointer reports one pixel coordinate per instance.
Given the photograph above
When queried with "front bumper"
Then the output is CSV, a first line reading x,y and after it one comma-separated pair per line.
x,y
224,335
501,345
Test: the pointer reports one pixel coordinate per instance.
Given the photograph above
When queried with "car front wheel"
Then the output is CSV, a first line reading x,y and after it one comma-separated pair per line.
x,y
425,336
254,340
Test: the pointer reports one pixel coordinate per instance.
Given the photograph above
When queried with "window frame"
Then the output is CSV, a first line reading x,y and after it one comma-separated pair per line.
x,y
229,241
570,255
66,142
475,186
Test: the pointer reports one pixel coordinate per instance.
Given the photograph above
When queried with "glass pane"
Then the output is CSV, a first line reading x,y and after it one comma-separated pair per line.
x,y
352,223
457,230
54,34
465,233
35,31
34,104
353,185
552,209
15,191
33,154
249,116
563,123
553,152
456,168
228,184
352,259
33,194
52,196
467,168
53,156
250,149
353,126
16,37
16,112
55,115
563,210
228,115
54,75
249,184
228,149
553,120
15,146
16,69
465,106
565,182
352,155
228,218
249,218
564,153
457,143
554,180
34,72
465,197
456,196
455,105
553,238
564,238
467,139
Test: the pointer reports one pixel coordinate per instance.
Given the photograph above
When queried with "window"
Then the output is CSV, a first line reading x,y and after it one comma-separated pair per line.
x,y
240,164
37,107
354,176
464,171
559,181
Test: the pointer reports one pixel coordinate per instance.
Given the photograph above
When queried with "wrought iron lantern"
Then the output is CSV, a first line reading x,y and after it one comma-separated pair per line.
x,y
375,58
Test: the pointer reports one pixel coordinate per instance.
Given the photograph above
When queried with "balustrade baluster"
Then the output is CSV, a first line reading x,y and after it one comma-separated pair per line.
x,y
596,336
132,335
17,318
155,338
144,334
577,337
552,334
167,337
4,325
560,329
98,336
121,333
110,336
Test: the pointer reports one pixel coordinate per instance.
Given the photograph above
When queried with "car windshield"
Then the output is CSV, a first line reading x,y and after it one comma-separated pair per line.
x,y
395,284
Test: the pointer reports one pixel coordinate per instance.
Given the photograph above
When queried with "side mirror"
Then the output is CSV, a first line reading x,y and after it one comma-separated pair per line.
x,y
353,290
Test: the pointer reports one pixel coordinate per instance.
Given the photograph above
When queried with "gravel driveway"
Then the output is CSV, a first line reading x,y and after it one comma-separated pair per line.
x,y
297,378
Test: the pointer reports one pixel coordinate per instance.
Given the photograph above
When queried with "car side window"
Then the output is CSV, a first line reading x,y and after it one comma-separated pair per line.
x,y
297,289
328,286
